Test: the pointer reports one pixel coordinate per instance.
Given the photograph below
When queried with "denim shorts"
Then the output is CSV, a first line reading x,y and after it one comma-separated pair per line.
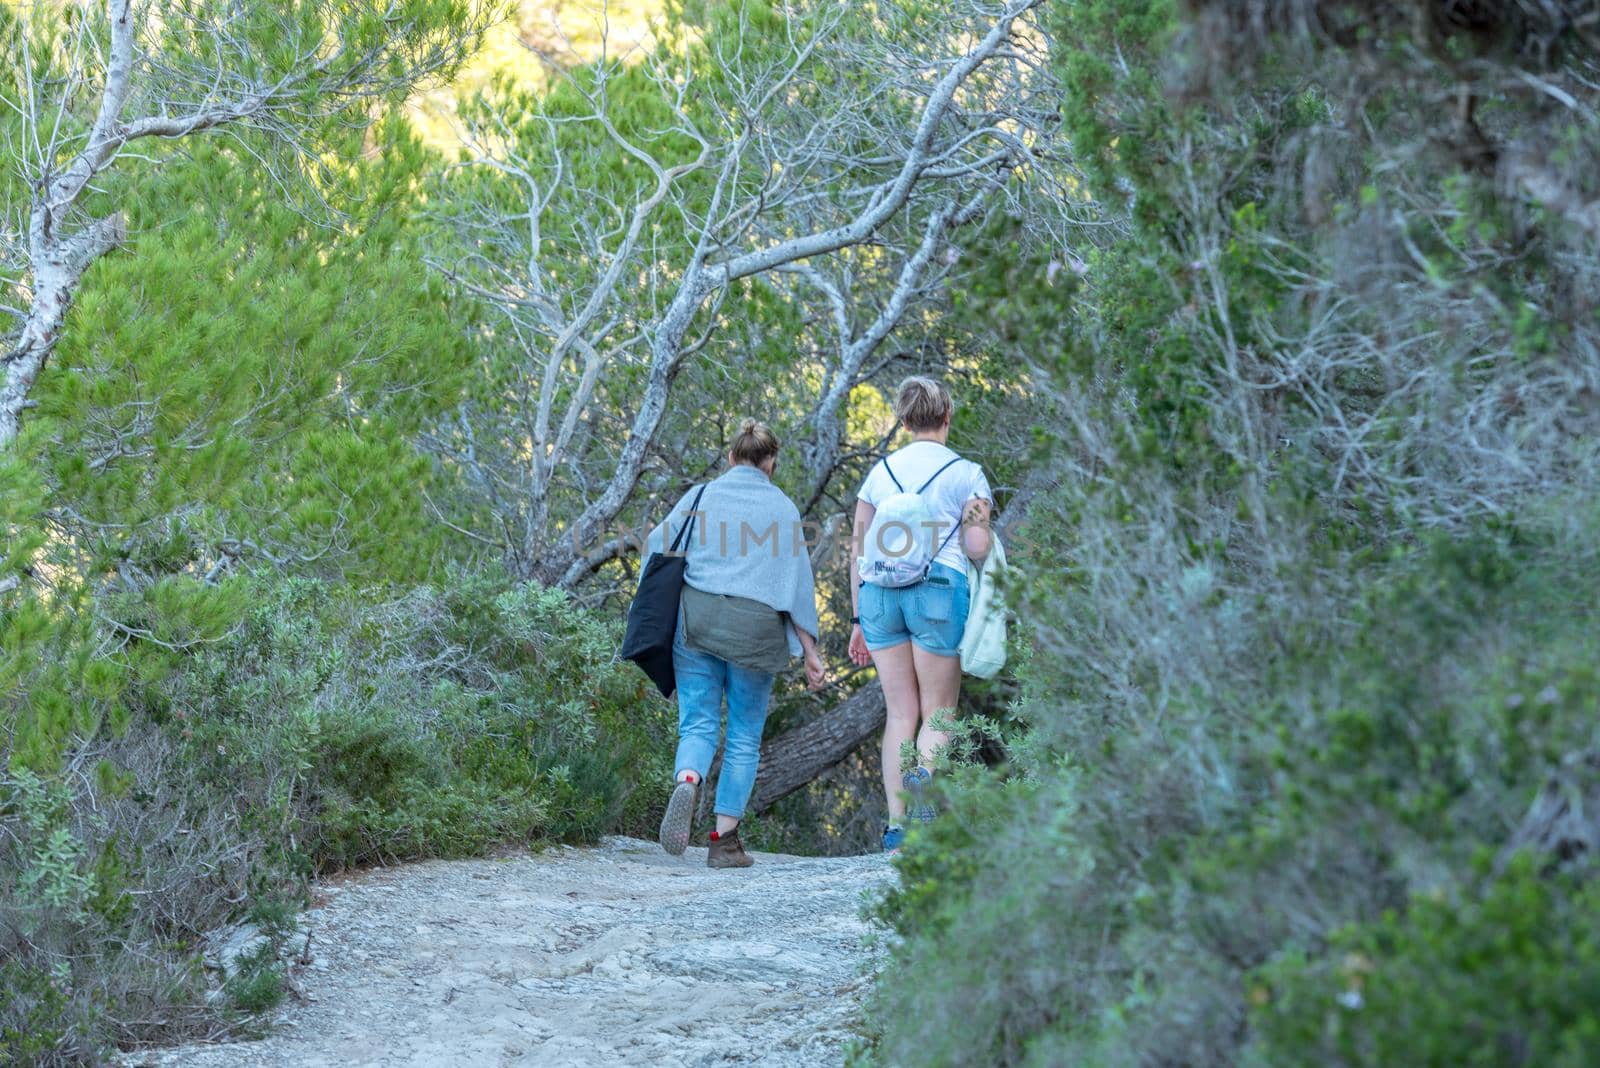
x,y
933,613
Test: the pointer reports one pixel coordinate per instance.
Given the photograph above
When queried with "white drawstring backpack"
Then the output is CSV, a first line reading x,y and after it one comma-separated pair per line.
x,y
983,640
900,548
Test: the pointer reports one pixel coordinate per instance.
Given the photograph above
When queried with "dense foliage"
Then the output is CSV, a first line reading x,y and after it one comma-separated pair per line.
x,y
1325,511
1274,323
324,730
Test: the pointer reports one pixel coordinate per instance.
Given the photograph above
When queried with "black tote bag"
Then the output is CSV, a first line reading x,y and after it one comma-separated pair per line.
x,y
653,616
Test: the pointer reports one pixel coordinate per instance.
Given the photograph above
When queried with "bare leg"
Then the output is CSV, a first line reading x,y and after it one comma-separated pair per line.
x,y
939,688
897,672
726,823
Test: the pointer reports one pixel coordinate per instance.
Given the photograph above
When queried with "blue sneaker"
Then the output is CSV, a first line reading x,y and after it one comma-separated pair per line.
x,y
893,839
917,807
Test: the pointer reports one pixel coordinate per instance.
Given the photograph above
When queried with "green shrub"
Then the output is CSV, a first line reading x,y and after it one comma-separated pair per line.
x,y
1108,909
1506,974
326,729
1323,619
439,724
257,983
35,1018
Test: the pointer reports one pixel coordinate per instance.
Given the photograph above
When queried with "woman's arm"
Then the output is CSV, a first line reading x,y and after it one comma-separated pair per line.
x,y
859,654
976,537
816,670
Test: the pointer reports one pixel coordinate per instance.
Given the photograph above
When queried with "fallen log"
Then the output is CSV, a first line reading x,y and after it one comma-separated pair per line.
x,y
795,757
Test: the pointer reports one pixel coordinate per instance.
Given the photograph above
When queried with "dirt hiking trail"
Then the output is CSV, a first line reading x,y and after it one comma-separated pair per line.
x,y
616,955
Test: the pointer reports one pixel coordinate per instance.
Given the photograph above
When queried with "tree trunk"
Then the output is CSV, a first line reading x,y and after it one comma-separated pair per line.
x,y
59,264
793,759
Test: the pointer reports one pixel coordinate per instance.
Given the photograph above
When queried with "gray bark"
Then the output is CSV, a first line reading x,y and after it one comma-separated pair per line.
x,y
770,210
795,758
914,281
1562,825
702,279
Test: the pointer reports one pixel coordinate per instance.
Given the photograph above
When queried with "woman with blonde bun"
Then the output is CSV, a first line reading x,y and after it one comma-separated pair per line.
x,y
749,603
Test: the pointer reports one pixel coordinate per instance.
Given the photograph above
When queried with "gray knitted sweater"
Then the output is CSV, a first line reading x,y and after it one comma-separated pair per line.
x,y
747,542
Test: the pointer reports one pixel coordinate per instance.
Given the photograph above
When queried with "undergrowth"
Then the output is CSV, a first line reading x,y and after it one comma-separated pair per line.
x,y
326,730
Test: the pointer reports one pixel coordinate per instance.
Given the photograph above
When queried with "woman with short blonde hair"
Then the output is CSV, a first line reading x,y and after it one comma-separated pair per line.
x,y
923,405
910,627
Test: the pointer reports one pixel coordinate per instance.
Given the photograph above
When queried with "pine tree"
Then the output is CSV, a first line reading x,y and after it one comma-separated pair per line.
x,y
234,384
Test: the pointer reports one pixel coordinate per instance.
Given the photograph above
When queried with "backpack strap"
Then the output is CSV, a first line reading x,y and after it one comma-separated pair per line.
x,y
935,475
896,481
954,527
683,533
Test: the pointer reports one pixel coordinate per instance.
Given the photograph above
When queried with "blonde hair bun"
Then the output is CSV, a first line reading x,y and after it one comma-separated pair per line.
x,y
755,443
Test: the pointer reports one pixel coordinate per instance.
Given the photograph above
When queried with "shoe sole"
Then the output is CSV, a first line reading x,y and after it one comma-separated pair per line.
x,y
679,816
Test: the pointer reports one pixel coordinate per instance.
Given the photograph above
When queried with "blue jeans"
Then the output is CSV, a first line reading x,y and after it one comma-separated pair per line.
x,y
932,613
703,680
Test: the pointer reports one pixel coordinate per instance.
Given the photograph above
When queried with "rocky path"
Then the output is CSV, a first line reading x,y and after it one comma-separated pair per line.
x,y
617,955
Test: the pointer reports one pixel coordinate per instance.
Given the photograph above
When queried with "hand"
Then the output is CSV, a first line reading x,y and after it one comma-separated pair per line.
x,y
860,655
816,670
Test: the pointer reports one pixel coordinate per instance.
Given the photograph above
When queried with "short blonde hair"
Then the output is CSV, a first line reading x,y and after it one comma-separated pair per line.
x,y
755,444
923,404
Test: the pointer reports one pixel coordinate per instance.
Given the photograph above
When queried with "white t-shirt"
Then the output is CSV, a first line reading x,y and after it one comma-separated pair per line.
x,y
947,497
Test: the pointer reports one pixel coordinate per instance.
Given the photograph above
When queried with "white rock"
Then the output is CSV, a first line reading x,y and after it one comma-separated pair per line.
x,y
226,948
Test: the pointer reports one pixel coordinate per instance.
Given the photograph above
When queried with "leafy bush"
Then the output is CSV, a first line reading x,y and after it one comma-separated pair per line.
x,y
35,1013
325,730
1116,912
1509,976
433,725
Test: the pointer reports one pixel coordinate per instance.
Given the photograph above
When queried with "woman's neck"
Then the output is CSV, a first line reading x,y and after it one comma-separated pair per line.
x,y
935,436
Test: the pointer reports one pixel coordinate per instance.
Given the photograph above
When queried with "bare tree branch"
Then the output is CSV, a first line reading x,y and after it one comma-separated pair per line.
x,y
600,276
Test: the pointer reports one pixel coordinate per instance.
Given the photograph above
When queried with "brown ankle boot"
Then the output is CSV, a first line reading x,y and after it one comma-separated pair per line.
x,y
726,851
